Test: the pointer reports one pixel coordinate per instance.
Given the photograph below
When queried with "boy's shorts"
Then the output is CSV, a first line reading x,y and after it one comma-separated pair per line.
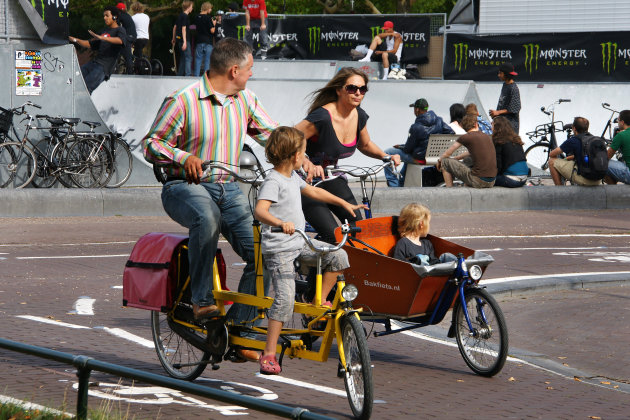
x,y
568,170
282,270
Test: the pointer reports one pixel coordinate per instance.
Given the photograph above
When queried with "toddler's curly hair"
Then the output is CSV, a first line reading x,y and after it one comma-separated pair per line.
x,y
283,144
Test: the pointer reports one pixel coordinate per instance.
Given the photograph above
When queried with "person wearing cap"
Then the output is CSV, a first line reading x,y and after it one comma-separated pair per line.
x,y
386,47
130,27
415,148
510,99
256,20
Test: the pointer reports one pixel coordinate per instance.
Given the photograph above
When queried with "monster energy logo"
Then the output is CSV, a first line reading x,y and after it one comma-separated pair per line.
x,y
461,56
609,53
241,32
314,39
375,30
531,57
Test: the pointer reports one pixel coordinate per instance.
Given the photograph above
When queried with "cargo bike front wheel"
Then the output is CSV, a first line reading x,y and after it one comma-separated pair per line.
x,y
358,369
485,347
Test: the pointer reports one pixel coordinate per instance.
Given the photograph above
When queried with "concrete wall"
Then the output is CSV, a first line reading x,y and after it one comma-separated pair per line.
x,y
128,104
146,201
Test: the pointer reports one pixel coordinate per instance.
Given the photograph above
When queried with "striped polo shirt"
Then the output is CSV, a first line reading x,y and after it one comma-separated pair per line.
x,y
193,121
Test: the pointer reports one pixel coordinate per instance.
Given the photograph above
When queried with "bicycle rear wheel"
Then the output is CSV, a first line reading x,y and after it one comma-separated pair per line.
x,y
358,369
142,66
537,157
44,175
179,358
485,348
121,163
17,165
87,161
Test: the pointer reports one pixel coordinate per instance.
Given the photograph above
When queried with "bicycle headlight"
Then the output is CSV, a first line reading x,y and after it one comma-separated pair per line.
x,y
475,272
350,292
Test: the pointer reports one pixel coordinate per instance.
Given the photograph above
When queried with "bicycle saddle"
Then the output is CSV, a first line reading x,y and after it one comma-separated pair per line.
x,y
92,124
72,121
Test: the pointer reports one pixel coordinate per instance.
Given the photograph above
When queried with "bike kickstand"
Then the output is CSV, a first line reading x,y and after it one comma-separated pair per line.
x,y
286,343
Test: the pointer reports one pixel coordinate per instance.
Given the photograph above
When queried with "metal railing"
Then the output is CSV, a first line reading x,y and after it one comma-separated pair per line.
x,y
85,365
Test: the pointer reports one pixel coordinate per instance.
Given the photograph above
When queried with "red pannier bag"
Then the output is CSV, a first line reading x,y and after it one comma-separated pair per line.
x,y
150,276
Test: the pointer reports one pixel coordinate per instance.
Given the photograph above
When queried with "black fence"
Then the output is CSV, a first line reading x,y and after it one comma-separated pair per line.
x,y
85,365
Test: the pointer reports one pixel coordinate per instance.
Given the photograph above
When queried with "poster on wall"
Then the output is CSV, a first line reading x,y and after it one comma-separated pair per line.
x,y
28,72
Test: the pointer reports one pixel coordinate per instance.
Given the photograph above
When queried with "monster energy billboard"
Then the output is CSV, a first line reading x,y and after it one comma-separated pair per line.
x,y
54,14
330,37
583,57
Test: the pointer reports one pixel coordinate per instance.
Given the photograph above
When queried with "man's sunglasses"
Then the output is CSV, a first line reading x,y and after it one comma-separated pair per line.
x,y
352,89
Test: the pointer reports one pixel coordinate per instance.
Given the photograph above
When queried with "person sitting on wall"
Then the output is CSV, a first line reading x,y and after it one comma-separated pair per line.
x,y
108,45
619,170
386,47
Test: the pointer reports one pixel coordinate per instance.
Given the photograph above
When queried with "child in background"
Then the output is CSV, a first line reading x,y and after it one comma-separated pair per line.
x,y
413,245
280,204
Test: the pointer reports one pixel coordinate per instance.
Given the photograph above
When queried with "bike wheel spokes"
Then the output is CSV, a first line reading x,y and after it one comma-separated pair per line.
x,y
538,159
179,358
17,165
484,349
121,164
358,369
45,176
86,162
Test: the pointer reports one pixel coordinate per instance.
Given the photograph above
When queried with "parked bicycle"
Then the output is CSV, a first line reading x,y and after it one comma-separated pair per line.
x,y
17,159
141,66
610,130
544,139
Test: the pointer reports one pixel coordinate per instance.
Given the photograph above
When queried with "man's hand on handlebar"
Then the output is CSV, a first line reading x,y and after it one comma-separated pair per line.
x,y
395,159
193,169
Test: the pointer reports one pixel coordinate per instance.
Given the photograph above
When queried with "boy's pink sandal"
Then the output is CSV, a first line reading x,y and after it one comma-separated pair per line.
x,y
269,365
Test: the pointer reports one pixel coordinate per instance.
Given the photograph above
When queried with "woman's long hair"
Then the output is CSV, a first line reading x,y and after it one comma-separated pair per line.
x,y
328,93
502,132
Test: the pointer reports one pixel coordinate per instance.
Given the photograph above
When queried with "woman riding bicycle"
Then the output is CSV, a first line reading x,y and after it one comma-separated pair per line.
x,y
334,128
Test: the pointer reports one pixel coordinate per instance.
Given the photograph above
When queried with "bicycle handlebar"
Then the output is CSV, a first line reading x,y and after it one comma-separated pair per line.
x,y
345,229
563,100
20,109
362,173
208,165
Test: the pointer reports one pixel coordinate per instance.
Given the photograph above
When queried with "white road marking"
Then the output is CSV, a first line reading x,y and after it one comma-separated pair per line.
x,y
568,235
120,333
84,306
53,322
78,244
307,385
545,276
117,287
72,257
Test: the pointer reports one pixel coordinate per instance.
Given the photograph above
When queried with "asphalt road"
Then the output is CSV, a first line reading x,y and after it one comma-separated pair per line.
x,y
568,348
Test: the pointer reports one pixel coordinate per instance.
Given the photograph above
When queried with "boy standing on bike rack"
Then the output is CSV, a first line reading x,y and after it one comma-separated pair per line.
x,y
280,205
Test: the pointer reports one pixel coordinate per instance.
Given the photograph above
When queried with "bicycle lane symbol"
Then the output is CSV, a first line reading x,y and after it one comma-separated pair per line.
x,y
598,256
157,395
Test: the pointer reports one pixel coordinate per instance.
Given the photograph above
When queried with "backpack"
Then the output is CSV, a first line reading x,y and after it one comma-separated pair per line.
x,y
593,163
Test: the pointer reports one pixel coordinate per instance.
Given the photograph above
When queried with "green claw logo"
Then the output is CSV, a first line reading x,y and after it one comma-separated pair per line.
x,y
375,30
33,4
531,57
314,39
461,56
609,53
241,32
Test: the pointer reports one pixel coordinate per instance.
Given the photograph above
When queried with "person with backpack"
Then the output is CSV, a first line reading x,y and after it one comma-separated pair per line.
x,y
619,170
586,159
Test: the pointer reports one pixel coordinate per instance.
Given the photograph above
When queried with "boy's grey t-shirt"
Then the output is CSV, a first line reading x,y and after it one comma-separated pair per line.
x,y
286,204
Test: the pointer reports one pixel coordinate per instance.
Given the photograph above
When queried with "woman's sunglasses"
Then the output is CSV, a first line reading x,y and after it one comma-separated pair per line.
x,y
352,89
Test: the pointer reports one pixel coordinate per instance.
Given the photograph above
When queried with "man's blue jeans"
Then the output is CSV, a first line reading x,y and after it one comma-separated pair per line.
x,y
185,60
618,171
207,210
93,75
202,58
392,179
